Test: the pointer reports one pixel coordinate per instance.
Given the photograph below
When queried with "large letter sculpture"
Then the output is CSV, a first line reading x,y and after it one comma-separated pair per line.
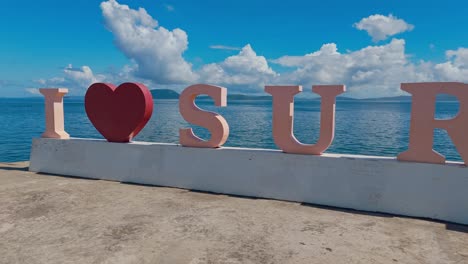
x,y
118,113
423,122
55,127
214,122
283,117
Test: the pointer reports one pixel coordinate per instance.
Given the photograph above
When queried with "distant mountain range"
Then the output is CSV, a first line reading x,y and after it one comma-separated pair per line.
x,y
171,94
165,94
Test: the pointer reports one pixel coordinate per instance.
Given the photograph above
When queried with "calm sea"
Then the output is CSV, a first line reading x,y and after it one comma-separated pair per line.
x,y
362,127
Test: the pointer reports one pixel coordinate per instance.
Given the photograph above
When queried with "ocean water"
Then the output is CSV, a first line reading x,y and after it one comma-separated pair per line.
x,y
362,127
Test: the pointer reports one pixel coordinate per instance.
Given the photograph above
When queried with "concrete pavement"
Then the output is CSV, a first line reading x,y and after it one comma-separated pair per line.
x,y
53,219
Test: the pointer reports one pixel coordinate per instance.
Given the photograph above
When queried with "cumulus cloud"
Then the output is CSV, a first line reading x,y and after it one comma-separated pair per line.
x,y
156,60
456,67
156,50
371,71
459,56
81,77
76,79
246,69
380,27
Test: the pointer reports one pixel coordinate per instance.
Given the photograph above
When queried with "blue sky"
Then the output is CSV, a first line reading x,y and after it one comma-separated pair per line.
x,y
370,46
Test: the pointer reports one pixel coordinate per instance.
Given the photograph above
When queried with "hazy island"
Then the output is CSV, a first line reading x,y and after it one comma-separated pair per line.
x,y
171,94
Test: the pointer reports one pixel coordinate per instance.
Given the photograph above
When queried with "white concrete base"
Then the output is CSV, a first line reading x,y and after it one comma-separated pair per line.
x,y
378,184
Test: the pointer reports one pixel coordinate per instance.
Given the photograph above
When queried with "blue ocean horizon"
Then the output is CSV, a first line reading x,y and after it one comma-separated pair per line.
x,y
377,128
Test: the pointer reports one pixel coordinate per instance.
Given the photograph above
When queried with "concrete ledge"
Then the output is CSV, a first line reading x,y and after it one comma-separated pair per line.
x,y
378,184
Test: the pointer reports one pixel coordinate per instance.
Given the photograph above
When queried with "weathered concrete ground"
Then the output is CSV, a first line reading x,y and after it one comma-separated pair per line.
x,y
50,219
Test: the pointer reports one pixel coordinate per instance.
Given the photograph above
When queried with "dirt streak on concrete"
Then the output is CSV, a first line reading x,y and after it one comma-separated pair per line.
x,y
51,219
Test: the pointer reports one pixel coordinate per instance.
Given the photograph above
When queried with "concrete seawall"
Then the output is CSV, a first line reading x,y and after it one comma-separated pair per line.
x,y
376,184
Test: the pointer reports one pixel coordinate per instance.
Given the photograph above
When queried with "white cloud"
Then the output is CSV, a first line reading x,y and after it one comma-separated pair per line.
x,y
76,79
373,71
82,77
245,69
156,51
169,8
381,27
41,81
223,47
456,68
369,72
459,56
156,61
32,91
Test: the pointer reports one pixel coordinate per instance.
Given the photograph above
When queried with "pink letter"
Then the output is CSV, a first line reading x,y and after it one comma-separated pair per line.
x,y
54,113
214,122
423,122
283,117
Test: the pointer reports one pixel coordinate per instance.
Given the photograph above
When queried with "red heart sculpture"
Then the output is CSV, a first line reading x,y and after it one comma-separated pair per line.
x,y
118,113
